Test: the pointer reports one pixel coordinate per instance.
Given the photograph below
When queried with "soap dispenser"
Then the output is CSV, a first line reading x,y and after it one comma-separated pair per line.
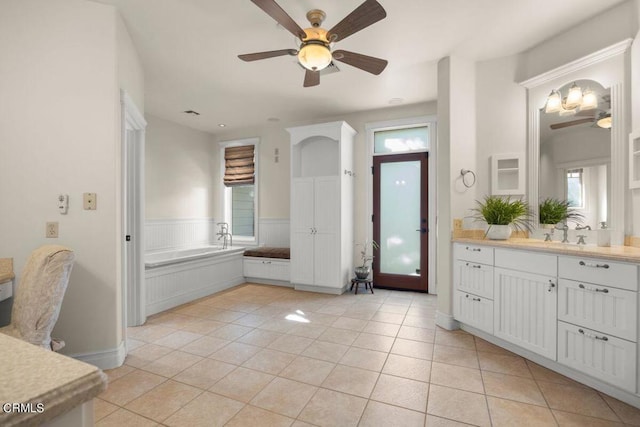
x,y
604,235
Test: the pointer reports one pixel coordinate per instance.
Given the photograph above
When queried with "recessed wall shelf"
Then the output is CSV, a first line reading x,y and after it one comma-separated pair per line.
x,y
507,174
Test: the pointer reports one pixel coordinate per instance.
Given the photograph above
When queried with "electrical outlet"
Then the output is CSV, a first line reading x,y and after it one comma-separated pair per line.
x,y
457,224
90,201
51,230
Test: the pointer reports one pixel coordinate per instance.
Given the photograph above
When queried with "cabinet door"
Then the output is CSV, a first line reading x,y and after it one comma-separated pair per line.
x,y
473,310
604,357
302,206
326,204
474,278
326,260
525,310
302,260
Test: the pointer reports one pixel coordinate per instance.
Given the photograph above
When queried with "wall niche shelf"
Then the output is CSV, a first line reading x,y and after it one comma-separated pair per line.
x,y
634,159
507,174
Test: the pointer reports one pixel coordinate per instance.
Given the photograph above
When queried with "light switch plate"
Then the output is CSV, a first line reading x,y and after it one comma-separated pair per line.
x,y
457,224
90,201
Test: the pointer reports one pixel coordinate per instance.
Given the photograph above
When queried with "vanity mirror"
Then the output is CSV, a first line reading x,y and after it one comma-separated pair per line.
x,y
552,169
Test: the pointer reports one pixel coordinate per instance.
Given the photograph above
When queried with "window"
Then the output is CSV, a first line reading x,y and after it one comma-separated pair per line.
x,y
402,140
575,188
239,170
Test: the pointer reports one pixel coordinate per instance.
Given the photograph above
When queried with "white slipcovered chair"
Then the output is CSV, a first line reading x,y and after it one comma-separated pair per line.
x,y
38,297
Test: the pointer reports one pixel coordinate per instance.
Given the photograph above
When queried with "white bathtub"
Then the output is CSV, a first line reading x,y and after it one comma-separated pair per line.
x,y
173,278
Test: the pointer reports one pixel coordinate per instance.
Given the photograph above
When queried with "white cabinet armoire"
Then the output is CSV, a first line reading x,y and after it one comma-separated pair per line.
x,y
322,183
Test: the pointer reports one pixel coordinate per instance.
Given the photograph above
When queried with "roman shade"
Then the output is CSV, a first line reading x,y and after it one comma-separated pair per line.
x,y
239,167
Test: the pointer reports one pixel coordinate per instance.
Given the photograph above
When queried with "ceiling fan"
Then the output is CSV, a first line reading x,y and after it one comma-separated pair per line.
x,y
599,117
315,51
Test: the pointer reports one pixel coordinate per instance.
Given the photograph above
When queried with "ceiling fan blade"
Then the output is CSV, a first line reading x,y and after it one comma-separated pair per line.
x,y
366,14
358,60
571,123
271,8
268,54
311,78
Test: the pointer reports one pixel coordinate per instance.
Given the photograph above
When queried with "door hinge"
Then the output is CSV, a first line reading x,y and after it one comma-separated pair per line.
x,y
372,218
127,238
372,169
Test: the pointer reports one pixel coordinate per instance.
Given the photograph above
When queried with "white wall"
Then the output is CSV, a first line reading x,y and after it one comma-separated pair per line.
x,y
635,116
130,72
178,172
59,133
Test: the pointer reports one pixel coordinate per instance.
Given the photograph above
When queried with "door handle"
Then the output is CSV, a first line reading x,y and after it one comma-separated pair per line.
x,y
422,230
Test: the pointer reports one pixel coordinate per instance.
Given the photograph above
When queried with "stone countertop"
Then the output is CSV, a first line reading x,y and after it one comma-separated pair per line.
x,y
613,253
30,374
6,269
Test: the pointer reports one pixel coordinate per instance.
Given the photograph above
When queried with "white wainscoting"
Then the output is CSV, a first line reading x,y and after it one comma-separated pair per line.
x,y
171,234
274,232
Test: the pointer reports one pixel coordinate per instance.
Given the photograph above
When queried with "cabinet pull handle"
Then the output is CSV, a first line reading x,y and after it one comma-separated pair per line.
x,y
473,249
266,262
604,291
551,286
476,299
589,264
602,338
473,265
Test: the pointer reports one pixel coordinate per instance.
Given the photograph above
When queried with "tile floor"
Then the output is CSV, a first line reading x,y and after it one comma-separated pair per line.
x,y
269,356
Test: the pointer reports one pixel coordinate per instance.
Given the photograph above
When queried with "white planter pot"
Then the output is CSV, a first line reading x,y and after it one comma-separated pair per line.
x,y
499,232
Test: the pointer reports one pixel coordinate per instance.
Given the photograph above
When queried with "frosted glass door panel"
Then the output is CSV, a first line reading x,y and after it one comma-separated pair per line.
x,y
400,218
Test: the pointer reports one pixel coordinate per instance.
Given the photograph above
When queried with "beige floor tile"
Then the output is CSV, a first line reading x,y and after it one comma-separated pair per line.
x,y
196,310
365,359
540,373
627,413
567,419
578,400
507,413
487,347
114,374
328,351
417,334
206,410
205,346
407,367
131,386
331,408
339,336
242,384
298,423
291,344
230,332
378,414
171,320
164,400
374,342
269,361
308,330
251,320
202,326
459,377
410,348
347,379
225,315
361,314
236,353
433,421
381,328
278,325
102,408
132,344
394,308
322,319
177,339
260,337
253,416
146,354
455,339
513,388
284,397
349,323
458,405
402,392
503,364
336,310
205,373
419,322
455,356
308,370
172,363
149,333
393,318
122,417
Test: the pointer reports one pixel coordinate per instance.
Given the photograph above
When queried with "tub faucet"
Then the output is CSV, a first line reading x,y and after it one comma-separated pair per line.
x,y
586,227
224,232
565,232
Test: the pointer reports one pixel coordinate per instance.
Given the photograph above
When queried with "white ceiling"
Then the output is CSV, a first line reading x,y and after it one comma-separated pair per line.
x,y
189,53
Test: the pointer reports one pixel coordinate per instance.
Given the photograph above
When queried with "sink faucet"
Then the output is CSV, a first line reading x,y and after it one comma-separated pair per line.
x,y
565,232
224,232
586,227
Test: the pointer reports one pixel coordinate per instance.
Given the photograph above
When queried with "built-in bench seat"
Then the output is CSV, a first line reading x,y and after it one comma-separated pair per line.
x,y
267,265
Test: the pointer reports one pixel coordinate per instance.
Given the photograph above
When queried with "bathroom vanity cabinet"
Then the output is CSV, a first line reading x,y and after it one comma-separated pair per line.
x,y
564,307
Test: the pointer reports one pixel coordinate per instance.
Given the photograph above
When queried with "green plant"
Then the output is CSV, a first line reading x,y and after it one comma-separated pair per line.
x,y
363,253
553,211
496,210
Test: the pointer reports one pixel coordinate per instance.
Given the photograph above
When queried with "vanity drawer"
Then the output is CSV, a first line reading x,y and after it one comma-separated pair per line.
x,y
473,253
598,271
599,355
606,309
473,310
531,262
473,277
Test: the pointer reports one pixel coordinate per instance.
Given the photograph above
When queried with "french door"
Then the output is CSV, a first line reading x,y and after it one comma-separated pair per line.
x,y
400,223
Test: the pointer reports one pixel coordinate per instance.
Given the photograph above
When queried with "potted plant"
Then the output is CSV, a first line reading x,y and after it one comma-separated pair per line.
x,y
362,271
502,214
552,211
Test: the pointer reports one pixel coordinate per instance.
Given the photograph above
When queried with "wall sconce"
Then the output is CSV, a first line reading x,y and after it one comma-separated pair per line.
x,y
575,100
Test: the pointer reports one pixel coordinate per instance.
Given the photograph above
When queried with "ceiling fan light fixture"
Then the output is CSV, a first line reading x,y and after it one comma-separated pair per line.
x,y
605,122
574,97
589,100
554,102
314,55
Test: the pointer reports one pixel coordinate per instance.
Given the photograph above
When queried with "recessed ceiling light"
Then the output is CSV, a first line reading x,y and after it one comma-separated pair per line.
x,y
396,101
221,125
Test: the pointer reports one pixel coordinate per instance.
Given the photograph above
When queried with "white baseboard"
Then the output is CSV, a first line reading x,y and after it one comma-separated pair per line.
x,y
320,289
106,359
268,282
446,321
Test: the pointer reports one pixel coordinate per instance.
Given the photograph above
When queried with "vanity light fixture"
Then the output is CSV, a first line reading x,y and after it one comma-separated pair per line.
x,y
554,102
575,100
589,100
